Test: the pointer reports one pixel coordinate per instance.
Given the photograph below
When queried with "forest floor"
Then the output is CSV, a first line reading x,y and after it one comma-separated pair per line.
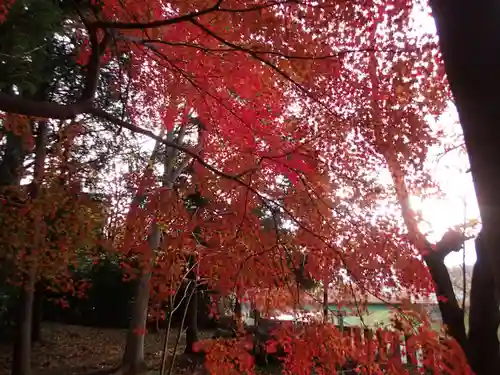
x,y
77,350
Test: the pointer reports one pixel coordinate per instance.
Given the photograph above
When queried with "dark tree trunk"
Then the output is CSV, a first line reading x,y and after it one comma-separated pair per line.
x,y
470,43
481,345
12,161
192,307
192,319
21,363
325,302
36,324
21,359
15,152
469,36
237,309
484,317
453,316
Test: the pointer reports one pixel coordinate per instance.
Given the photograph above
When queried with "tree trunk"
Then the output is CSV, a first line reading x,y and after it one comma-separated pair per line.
x,y
452,314
481,345
192,318
470,44
21,363
469,38
21,359
221,306
484,318
36,326
133,357
237,309
325,301
15,153
12,161
192,306
10,168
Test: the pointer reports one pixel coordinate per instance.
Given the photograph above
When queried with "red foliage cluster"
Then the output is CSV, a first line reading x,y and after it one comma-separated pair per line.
x,y
4,9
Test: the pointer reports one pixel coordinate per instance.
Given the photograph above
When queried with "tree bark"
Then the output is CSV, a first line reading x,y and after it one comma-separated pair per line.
x,y
12,161
470,44
21,363
453,316
133,356
469,38
484,317
481,345
325,301
237,311
36,325
221,306
15,152
21,359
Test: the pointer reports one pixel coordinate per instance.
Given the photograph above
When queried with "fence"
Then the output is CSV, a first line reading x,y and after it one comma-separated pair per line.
x,y
384,344
379,345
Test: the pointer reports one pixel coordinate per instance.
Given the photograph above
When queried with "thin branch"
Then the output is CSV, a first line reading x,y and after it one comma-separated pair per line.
x,y
28,107
258,7
173,44
341,53
256,56
157,23
185,17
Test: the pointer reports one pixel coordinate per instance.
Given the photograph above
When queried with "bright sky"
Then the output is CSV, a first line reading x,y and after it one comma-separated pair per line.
x,y
459,202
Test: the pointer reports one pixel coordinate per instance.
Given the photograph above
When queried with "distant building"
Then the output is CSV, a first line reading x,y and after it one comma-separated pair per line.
x,y
376,312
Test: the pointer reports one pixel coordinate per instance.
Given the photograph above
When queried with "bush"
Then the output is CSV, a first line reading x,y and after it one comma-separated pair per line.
x,y
106,303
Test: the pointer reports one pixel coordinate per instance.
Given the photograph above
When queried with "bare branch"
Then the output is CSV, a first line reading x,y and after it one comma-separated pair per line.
x,y
186,17
157,23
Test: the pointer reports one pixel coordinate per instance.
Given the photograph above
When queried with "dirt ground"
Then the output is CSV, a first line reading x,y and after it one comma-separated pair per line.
x,y
76,350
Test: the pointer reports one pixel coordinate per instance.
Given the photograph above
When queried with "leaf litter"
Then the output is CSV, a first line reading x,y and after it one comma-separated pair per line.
x,y
79,350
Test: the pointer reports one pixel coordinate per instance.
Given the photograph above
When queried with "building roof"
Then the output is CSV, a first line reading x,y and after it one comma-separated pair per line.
x,y
354,295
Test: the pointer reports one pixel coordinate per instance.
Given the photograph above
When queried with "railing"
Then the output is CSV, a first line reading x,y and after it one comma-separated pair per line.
x,y
397,349
391,348
384,344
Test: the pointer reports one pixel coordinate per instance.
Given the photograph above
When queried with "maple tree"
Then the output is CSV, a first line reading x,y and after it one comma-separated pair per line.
x,y
292,107
58,225
41,73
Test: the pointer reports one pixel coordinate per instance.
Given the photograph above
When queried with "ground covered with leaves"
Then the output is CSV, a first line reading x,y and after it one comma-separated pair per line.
x,y
77,350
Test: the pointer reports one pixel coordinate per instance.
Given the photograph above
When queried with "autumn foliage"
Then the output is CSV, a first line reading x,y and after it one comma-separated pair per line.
x,y
291,109
59,227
